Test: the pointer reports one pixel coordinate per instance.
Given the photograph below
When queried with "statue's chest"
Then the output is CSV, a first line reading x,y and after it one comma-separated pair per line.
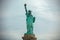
x,y
29,19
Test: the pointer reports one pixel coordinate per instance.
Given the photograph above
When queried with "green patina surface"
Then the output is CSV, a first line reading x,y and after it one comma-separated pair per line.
x,y
29,21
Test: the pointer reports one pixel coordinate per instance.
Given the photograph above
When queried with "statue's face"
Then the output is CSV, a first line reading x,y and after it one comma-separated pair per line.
x,y
29,12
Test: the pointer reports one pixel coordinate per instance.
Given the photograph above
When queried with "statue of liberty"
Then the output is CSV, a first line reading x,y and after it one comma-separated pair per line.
x,y
29,20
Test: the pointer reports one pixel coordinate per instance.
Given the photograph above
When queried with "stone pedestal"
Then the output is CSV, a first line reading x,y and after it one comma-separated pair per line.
x,y
29,37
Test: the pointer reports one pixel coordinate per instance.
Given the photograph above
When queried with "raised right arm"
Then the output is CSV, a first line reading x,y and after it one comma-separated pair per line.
x,y
25,8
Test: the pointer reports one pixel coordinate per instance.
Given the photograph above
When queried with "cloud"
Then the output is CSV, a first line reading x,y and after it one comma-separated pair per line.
x,y
12,35
49,16
40,8
44,9
48,36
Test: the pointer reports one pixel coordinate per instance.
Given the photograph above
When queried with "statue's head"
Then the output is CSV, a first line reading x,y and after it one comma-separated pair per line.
x,y
29,11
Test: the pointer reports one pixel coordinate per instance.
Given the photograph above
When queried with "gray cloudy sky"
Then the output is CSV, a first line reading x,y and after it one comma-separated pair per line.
x,y
46,13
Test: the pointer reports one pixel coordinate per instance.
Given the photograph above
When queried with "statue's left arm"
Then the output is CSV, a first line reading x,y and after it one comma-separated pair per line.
x,y
34,19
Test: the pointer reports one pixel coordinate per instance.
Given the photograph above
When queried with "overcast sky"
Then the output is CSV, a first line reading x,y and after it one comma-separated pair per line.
x,y
46,13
